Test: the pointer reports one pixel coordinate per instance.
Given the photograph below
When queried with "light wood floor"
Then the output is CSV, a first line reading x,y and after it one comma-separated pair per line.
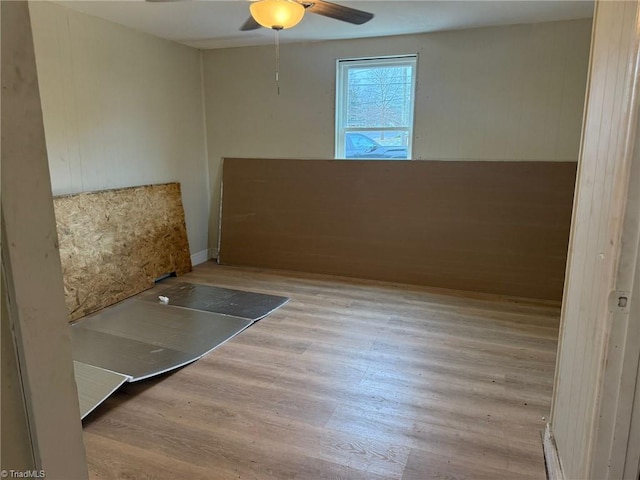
x,y
351,379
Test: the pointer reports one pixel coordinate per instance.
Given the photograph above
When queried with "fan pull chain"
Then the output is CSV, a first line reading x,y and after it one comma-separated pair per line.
x,y
277,60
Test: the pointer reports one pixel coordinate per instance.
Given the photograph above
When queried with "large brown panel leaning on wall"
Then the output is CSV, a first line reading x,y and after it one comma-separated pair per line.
x,y
495,227
115,243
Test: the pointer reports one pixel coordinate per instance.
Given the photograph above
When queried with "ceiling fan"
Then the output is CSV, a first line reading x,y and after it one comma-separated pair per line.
x,y
282,14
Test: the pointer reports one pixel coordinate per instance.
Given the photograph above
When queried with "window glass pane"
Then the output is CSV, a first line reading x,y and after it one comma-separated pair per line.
x,y
379,96
374,107
376,144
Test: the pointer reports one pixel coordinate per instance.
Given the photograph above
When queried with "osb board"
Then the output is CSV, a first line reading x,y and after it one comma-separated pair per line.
x,y
496,227
115,243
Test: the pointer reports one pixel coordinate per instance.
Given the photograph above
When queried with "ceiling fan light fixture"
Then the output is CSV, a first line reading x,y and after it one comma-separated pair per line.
x,y
277,14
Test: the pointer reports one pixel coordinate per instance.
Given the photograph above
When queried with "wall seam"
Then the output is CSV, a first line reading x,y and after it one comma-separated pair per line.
x,y
205,131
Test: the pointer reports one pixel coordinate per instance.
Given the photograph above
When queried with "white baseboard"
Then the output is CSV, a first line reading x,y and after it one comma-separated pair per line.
x,y
551,458
200,257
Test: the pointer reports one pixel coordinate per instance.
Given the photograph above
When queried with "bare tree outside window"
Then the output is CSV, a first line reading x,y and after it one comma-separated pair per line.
x,y
375,101
378,97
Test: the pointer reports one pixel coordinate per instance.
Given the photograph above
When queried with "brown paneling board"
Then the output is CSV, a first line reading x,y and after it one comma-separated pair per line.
x,y
115,243
495,227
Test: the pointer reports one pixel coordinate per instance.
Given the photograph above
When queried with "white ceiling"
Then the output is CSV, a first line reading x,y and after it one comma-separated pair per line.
x,y
215,23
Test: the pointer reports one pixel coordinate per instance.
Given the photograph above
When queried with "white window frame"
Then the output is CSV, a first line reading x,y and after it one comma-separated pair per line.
x,y
342,67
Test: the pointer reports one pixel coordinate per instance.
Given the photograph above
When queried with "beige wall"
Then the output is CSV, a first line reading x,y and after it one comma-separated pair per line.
x,y
15,443
121,108
33,293
500,93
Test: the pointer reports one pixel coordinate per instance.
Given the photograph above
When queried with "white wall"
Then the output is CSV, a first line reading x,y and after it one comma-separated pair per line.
x,y
598,346
121,108
499,93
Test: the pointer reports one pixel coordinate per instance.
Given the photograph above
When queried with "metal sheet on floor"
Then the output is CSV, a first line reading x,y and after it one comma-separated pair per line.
x,y
226,301
94,385
142,339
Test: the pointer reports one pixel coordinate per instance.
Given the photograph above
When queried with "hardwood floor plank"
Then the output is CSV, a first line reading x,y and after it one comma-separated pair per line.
x,y
351,379
427,466
267,434
118,461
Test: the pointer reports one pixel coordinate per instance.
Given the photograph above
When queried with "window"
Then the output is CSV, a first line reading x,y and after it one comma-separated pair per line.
x,y
374,107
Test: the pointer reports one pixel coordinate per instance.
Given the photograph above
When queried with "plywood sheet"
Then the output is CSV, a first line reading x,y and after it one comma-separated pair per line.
x,y
227,301
115,243
497,227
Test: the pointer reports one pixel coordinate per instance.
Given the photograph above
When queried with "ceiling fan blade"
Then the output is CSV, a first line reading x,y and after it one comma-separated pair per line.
x,y
339,12
250,24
